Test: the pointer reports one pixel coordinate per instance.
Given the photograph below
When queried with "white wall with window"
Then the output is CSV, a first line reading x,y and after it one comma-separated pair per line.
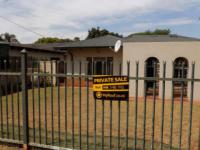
x,y
182,53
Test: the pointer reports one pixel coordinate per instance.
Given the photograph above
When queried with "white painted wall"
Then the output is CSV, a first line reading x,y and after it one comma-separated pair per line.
x,y
164,51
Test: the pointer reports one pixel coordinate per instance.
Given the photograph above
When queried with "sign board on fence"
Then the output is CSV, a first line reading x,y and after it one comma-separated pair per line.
x,y
111,87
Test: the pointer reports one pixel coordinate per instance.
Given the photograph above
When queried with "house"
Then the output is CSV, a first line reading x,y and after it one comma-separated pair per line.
x,y
10,54
97,57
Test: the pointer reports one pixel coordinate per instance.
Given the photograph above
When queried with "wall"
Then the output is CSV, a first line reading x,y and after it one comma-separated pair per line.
x,y
164,51
80,54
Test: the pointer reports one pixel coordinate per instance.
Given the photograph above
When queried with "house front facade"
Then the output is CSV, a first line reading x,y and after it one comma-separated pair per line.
x,y
178,52
98,57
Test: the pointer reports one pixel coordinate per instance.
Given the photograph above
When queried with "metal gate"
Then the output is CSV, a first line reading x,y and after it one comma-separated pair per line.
x,y
42,108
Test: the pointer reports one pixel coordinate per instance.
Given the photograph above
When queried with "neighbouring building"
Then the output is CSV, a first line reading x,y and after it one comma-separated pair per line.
x,y
10,54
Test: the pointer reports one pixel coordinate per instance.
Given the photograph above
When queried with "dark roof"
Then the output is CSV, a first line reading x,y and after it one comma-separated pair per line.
x,y
38,47
109,40
4,43
159,38
103,41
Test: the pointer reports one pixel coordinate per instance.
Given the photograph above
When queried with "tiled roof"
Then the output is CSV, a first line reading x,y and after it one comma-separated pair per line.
x,y
103,41
159,38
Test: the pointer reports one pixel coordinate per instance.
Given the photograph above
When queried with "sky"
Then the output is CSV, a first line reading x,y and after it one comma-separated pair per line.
x,y
72,18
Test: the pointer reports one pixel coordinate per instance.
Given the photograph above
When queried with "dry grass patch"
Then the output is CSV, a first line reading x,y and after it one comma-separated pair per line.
x,y
84,121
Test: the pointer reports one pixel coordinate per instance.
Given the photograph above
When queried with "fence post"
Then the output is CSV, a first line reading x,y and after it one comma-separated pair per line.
x,y
24,99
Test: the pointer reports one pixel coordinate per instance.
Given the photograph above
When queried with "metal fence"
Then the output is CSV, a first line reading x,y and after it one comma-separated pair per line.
x,y
36,112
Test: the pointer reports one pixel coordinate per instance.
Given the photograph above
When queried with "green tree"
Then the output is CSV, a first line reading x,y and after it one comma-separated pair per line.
x,y
7,37
155,32
46,40
97,32
76,39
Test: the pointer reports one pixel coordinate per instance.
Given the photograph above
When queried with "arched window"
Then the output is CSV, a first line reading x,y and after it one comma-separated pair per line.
x,y
152,70
180,71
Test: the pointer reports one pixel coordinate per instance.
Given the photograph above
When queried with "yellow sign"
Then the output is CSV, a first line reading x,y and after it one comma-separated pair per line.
x,y
111,87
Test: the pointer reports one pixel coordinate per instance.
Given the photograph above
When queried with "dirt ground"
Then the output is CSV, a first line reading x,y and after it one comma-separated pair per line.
x,y
8,147
115,111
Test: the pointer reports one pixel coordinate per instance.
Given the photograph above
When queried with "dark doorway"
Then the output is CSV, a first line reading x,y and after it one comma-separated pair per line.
x,y
152,70
99,67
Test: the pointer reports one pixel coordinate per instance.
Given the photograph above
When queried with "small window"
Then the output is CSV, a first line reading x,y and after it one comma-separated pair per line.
x,y
109,65
4,64
89,66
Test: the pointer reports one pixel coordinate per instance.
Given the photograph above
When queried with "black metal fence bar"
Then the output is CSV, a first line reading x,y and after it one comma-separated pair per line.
x,y
163,106
95,121
181,112
153,110
12,107
72,106
80,103
172,110
18,102
33,101
45,105
119,115
39,109
102,117
191,107
95,117
145,110
102,124
58,103
6,92
91,76
52,101
136,105
66,99
127,109
111,118
87,113
25,98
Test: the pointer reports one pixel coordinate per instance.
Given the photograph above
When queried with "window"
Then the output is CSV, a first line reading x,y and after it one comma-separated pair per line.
x,y
89,66
99,65
180,71
4,63
110,65
152,70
